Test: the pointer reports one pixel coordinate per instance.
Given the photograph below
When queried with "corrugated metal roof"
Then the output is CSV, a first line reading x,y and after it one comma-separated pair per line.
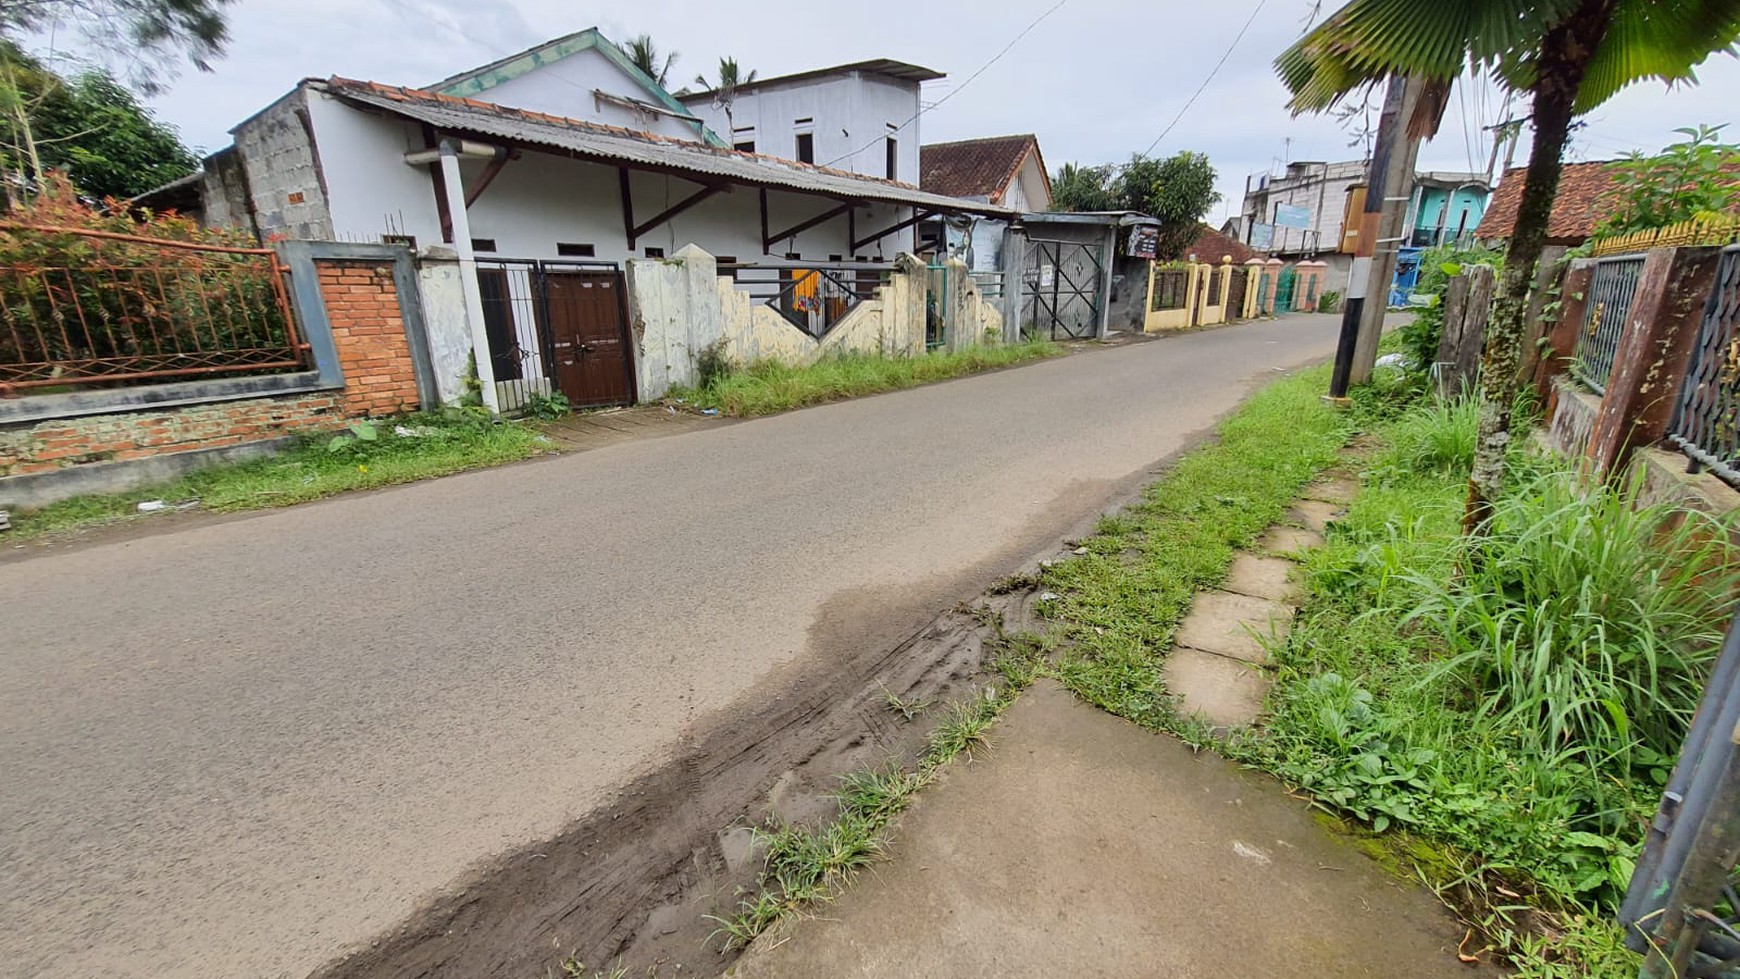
x,y
627,147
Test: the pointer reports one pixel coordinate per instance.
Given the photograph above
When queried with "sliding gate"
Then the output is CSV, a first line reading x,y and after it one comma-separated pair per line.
x,y
1060,289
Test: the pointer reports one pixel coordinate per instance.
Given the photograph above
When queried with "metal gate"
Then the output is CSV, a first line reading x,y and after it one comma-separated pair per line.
x,y
1284,290
1706,422
1682,899
556,326
1060,289
1611,289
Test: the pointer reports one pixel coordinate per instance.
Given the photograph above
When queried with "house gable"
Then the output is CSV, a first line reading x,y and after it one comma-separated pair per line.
x,y
580,76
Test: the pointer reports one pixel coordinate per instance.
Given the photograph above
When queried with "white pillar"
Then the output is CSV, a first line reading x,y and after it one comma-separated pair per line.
x,y
468,272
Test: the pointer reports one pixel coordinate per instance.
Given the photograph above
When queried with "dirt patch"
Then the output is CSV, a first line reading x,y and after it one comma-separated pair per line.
x,y
634,882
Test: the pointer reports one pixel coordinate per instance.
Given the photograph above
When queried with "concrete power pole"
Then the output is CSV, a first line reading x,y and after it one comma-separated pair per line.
x,y
1389,186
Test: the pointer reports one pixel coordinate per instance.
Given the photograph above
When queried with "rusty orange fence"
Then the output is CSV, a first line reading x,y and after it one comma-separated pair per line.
x,y
81,307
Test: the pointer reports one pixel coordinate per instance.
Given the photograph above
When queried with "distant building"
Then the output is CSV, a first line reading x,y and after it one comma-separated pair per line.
x,y
1005,170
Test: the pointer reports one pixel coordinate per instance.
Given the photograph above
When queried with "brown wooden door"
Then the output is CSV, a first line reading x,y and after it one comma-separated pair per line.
x,y
587,337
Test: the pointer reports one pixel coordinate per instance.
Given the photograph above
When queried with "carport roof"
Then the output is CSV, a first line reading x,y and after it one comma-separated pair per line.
x,y
634,149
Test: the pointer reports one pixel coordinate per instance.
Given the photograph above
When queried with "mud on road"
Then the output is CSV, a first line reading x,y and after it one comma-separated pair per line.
x,y
634,883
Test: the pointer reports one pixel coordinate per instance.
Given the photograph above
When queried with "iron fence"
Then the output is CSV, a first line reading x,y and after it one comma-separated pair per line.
x,y
1706,422
814,298
989,284
83,307
1171,289
1238,284
517,321
1611,289
1214,295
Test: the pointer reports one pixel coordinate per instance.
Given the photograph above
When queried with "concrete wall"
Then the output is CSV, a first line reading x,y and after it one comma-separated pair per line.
x,y
443,300
680,307
564,88
849,115
281,158
1318,187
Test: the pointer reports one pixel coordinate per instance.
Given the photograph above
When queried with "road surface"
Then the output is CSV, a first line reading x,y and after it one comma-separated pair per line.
x,y
240,747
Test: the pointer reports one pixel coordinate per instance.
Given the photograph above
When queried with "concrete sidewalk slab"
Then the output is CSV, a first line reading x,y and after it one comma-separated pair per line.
x,y
1315,515
1262,577
1234,625
1084,846
1223,691
1282,539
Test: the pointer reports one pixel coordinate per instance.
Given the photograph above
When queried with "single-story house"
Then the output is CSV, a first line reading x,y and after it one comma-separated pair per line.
x,y
539,176
1586,195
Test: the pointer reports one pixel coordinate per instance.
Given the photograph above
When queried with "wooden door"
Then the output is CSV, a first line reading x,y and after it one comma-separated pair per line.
x,y
588,337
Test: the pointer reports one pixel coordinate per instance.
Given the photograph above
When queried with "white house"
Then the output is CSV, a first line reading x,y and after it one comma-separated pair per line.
x,y
862,117
1006,170
541,204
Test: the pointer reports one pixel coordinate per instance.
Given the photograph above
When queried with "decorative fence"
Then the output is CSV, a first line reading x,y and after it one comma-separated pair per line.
x,y
1705,424
1720,231
81,307
1171,289
1609,304
812,297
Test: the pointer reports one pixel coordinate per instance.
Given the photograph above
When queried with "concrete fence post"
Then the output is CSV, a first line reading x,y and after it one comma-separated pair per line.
x,y
1561,336
1273,269
1654,350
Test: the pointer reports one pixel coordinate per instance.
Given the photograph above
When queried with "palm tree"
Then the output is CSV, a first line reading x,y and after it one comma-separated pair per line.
x,y
645,56
1569,56
725,87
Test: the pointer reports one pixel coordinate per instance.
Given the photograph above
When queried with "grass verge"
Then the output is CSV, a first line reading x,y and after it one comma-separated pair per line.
x,y
442,443
1494,720
807,866
768,387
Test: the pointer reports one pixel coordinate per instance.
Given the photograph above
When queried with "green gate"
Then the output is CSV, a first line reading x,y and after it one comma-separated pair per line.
x,y
1284,290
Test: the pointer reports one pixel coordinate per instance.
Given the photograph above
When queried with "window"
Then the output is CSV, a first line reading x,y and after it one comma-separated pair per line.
x,y
794,256
483,244
570,249
652,252
726,260
836,258
893,157
746,146
806,147
409,241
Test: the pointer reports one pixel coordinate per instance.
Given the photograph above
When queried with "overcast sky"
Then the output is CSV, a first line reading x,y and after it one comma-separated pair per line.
x,y
1097,79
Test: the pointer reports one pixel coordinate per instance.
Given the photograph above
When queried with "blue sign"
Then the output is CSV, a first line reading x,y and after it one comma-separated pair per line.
x,y
1292,216
1262,237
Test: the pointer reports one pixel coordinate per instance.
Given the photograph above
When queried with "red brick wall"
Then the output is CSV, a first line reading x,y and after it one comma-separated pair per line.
x,y
66,442
369,330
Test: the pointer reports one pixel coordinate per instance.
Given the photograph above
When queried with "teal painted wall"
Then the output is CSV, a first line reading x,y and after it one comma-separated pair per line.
x,y
1432,213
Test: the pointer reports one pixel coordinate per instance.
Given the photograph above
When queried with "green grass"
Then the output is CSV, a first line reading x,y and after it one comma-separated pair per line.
x,y
1498,719
451,442
767,387
1120,603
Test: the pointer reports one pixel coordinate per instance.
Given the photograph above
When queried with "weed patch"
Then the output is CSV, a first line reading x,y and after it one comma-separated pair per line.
x,y
767,387
437,443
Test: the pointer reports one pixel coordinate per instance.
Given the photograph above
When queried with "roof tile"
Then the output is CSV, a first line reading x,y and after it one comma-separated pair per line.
x,y
974,167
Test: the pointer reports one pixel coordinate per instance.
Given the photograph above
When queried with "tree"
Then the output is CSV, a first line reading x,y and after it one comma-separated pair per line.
x,y
1699,175
1178,190
1569,56
1080,188
645,56
91,126
148,31
725,87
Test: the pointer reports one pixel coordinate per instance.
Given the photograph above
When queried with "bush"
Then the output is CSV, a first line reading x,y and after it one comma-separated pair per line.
x,y
1438,265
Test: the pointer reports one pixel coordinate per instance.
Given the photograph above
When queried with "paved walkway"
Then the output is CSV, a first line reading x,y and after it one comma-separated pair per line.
x,y
1084,846
238,748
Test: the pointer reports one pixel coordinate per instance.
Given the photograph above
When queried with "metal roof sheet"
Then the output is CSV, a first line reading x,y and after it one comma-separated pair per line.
x,y
614,145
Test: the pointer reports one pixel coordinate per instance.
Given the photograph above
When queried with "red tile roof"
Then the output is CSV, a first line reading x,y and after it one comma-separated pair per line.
x,y
977,167
1210,246
1585,198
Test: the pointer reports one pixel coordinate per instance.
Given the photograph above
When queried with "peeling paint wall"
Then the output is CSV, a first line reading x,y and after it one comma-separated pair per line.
x,y
444,321
681,306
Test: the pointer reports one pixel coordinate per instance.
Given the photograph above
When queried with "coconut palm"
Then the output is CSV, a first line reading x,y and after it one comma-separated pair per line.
x,y
1569,56
645,56
724,88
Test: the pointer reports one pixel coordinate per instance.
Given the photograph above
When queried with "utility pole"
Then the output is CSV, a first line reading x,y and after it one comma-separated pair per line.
x,y
1389,186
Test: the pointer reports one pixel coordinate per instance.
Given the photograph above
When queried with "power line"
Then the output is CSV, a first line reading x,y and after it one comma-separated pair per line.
x,y
956,90
1215,71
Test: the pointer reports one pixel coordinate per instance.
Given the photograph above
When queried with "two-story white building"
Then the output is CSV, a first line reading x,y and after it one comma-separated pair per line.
x,y
862,117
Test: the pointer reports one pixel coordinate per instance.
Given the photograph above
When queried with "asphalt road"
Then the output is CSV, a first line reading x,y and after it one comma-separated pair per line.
x,y
240,747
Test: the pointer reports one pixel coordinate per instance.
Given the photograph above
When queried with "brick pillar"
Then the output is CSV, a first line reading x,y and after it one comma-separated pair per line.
x,y
1273,268
1650,364
368,328
1562,337
1251,303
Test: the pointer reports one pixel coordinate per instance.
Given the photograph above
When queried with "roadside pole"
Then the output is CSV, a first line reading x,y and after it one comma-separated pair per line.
x,y
1389,184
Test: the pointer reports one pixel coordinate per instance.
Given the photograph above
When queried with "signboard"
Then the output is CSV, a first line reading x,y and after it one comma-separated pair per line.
x,y
1144,242
1262,236
1292,216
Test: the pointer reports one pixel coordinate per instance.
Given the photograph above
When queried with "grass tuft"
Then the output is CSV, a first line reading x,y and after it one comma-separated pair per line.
x,y
767,387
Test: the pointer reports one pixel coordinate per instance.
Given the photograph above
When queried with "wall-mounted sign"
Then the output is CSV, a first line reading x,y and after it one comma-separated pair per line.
x,y
1292,216
1144,242
1262,236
